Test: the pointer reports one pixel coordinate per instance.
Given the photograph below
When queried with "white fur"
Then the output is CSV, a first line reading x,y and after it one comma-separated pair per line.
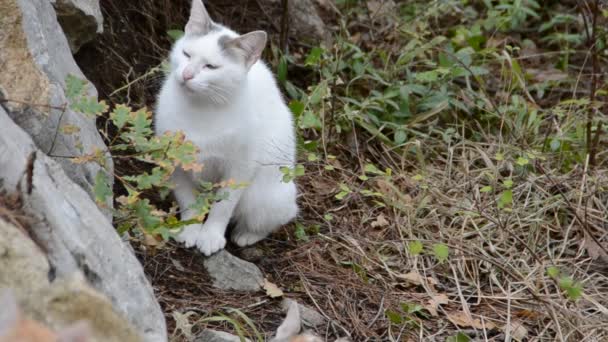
x,y
237,117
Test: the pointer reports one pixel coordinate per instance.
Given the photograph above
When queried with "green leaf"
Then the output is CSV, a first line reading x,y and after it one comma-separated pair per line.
x,y
147,181
505,199
553,271
460,337
74,87
142,124
120,115
400,137
143,211
441,252
427,76
507,183
415,248
345,190
314,56
317,94
360,271
486,188
394,317
371,168
555,144
296,107
418,177
565,282
310,120
575,291
290,174
184,153
299,170
300,232
522,161
411,308
102,189
89,105
282,70
175,34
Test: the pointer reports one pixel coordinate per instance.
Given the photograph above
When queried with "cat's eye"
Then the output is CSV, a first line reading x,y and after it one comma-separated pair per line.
x,y
211,66
186,54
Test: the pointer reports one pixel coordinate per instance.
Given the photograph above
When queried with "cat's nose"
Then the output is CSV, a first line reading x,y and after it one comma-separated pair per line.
x,y
187,75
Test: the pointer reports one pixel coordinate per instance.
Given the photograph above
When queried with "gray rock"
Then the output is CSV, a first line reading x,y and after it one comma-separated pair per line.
x,y
24,271
231,273
304,19
309,316
22,263
36,60
75,234
209,335
81,20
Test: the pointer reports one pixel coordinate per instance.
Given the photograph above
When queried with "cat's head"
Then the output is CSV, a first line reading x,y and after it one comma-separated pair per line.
x,y
16,328
210,61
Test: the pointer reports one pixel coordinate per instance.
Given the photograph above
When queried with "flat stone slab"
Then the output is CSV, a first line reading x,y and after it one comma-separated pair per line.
x,y
231,273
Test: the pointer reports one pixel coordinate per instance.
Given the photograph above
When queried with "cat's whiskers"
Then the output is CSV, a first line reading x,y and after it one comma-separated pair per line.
x,y
219,94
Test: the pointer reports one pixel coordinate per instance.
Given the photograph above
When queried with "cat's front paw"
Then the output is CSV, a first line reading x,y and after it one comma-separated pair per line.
x,y
189,235
210,241
246,238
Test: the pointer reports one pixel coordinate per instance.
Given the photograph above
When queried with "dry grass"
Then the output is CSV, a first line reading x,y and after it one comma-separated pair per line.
x,y
494,284
496,272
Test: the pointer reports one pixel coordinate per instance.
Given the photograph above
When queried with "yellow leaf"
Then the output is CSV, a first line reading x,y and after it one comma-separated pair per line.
x,y
83,159
122,200
272,290
70,129
158,213
194,167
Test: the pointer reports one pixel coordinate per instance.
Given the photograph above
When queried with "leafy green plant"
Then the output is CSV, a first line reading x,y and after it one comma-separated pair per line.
x,y
572,288
134,139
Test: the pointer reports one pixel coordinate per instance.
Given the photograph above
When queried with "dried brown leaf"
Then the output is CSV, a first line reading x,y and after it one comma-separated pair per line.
x,y
464,320
434,303
516,330
272,290
380,221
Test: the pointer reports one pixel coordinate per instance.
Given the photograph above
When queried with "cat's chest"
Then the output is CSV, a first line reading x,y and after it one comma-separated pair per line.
x,y
216,138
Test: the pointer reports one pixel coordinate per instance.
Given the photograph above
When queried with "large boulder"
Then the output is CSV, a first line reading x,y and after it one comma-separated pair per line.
x,y
78,238
81,20
304,19
24,270
35,60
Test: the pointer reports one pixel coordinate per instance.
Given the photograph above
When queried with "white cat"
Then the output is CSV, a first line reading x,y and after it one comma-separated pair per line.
x,y
226,101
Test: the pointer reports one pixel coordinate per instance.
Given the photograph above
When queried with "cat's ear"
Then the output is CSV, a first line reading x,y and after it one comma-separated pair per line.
x,y
250,46
200,22
9,314
291,325
77,332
